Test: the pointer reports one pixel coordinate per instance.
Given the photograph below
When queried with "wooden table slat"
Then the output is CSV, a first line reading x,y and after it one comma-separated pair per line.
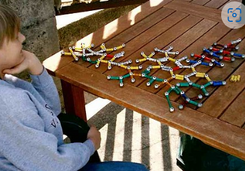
x,y
200,2
215,3
54,62
196,10
236,107
228,2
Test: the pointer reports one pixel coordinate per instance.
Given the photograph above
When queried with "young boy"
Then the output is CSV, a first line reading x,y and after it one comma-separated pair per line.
x,y
31,134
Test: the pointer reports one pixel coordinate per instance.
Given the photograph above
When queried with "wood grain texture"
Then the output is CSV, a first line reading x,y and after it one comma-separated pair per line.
x,y
236,107
196,10
215,3
200,2
74,100
54,62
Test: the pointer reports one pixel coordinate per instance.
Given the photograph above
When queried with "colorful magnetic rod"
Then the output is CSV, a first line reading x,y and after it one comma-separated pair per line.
x,y
225,52
177,90
212,54
231,45
225,58
129,74
86,52
183,104
160,60
202,63
211,63
121,78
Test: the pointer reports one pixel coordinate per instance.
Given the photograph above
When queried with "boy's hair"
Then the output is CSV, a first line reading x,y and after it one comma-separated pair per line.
x,y
9,24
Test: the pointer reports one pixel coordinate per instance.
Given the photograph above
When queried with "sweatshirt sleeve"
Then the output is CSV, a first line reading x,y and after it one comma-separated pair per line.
x,y
25,143
44,85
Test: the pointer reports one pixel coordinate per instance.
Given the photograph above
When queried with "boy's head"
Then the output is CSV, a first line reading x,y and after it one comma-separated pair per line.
x,y
9,24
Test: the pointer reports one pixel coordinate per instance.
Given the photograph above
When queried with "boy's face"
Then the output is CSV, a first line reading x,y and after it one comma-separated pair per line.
x,y
11,52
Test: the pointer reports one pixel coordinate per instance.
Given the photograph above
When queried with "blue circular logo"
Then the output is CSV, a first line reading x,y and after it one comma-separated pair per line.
x,y
233,15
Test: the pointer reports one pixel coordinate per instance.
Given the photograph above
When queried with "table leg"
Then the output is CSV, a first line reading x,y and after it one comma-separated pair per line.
x,y
74,100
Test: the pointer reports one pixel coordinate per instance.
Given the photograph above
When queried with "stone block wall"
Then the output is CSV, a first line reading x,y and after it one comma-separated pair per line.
x,y
38,24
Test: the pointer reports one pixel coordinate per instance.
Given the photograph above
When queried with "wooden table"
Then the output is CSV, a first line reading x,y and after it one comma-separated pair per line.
x,y
188,27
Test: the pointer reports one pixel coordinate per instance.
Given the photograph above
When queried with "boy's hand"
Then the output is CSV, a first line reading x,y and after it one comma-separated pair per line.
x,y
30,62
94,136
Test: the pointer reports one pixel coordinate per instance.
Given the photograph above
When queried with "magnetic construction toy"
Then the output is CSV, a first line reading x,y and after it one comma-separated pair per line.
x,y
212,56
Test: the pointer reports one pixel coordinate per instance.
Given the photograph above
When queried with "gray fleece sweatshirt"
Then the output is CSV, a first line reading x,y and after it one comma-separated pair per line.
x,y
31,137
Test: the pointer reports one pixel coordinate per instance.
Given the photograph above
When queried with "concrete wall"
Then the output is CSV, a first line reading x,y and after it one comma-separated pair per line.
x,y
38,24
